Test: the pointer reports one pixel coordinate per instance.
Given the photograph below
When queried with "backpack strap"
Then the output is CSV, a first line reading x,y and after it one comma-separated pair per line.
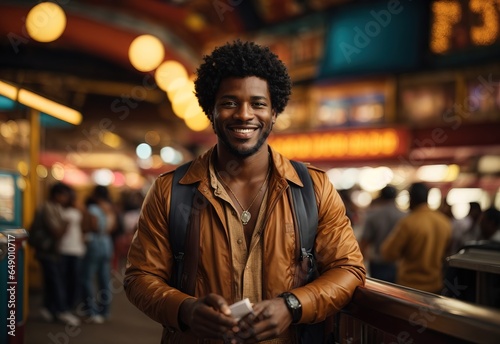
x,y
181,199
306,214
306,210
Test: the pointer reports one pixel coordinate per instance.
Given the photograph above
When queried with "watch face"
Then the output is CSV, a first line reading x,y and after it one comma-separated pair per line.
x,y
293,301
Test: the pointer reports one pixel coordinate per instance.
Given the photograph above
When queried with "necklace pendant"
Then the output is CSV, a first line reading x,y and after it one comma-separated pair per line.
x,y
245,217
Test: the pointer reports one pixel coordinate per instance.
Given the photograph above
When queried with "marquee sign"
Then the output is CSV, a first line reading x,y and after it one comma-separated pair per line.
x,y
352,144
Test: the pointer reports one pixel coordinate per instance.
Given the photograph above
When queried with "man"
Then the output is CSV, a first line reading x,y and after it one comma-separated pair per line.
x,y
379,223
247,242
419,244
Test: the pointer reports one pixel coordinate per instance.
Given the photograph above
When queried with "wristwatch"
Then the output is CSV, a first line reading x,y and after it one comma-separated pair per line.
x,y
294,306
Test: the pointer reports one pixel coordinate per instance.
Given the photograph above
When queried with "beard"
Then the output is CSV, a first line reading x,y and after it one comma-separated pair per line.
x,y
244,152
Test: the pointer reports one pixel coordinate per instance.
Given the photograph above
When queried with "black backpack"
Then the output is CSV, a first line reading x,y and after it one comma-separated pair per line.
x,y
181,206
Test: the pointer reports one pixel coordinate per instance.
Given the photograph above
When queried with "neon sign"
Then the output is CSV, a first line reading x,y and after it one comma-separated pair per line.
x,y
349,144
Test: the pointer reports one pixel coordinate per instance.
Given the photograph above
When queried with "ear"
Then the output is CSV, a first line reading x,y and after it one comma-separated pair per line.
x,y
274,116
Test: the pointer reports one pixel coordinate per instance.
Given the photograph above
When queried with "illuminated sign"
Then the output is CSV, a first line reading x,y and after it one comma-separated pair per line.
x,y
342,145
374,36
462,24
298,44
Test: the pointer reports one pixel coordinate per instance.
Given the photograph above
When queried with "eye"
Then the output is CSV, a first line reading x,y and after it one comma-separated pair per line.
x,y
228,104
259,104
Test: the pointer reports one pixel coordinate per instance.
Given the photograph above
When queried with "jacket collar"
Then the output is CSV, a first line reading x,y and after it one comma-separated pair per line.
x,y
282,168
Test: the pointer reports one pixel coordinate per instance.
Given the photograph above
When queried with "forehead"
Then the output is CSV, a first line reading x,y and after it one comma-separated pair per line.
x,y
249,86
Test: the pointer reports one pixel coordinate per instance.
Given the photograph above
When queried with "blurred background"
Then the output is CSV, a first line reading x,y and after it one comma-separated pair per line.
x,y
385,92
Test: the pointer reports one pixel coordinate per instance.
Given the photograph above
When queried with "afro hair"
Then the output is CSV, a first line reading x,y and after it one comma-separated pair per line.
x,y
242,59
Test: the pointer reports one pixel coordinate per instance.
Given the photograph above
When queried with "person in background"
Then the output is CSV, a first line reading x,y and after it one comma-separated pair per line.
x,y
378,224
248,229
487,225
459,228
490,225
72,249
53,219
351,210
131,205
418,244
473,217
97,260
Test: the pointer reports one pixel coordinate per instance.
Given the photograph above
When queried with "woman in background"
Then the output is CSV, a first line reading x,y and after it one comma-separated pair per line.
x,y
97,261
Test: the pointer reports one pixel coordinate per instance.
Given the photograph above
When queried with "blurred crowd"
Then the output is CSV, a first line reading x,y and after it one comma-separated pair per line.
x,y
77,245
412,248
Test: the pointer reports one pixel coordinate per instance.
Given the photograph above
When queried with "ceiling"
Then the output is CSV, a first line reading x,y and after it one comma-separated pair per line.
x,y
88,68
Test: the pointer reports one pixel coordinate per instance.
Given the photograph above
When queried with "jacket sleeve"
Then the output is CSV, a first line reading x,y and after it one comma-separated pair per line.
x,y
339,259
150,260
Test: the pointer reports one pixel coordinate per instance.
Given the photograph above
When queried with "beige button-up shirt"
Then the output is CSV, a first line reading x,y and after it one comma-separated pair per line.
x,y
247,261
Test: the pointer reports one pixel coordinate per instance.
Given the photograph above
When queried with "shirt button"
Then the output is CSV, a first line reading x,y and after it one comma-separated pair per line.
x,y
239,241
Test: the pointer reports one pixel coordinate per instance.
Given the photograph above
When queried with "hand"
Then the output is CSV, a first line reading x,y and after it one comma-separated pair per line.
x,y
208,317
269,319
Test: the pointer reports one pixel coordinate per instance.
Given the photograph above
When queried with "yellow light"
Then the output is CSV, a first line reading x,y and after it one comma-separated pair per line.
x,y
58,171
8,91
22,167
193,110
183,98
487,33
49,107
46,22
111,139
452,173
171,75
446,14
146,53
41,171
198,122
184,92
195,22
181,107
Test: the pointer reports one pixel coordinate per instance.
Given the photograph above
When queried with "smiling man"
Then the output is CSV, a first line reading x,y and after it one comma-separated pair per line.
x,y
246,231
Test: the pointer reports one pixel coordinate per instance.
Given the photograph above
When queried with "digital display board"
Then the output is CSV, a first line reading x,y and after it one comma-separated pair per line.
x,y
379,36
464,31
459,25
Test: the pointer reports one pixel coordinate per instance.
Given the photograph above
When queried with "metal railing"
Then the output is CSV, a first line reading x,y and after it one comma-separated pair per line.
x,y
382,312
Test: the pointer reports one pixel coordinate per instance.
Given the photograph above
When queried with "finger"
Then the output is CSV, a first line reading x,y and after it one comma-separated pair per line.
x,y
260,312
218,303
210,323
206,314
208,329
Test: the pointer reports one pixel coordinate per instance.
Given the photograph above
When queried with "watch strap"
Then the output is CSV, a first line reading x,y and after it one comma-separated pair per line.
x,y
296,311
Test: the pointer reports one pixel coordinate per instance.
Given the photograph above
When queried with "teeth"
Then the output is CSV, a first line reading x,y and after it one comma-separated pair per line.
x,y
243,130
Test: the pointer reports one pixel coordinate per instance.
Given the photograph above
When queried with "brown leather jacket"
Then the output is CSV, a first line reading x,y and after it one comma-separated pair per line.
x,y
151,263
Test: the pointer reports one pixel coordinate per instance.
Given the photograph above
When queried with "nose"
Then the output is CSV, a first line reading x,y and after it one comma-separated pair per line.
x,y
244,112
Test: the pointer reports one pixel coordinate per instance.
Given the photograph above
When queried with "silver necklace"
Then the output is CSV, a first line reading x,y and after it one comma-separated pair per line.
x,y
245,214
